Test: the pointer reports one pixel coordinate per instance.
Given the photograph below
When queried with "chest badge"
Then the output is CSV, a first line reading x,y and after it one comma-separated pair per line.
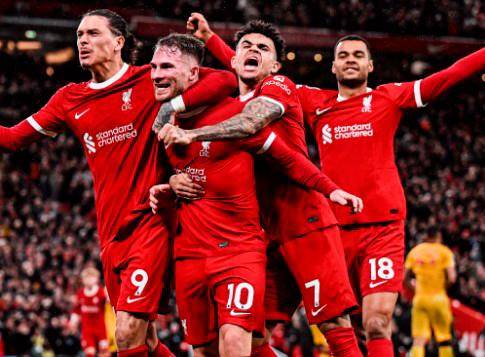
x,y
367,104
205,149
126,97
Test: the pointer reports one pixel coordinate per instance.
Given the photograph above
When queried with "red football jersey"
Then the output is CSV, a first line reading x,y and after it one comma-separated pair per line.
x,y
355,139
226,219
90,305
113,122
288,209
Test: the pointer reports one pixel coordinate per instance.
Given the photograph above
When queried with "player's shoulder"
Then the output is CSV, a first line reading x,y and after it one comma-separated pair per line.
x,y
279,81
446,250
394,87
306,90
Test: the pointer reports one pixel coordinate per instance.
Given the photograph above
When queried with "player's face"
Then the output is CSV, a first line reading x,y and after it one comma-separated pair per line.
x,y
90,280
352,63
172,72
96,43
255,58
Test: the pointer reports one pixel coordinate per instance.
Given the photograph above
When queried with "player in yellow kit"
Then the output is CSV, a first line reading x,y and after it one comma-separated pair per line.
x,y
430,265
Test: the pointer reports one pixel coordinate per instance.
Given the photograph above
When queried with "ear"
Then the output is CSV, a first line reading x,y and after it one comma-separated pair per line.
x,y
194,74
333,67
233,62
371,66
276,67
120,41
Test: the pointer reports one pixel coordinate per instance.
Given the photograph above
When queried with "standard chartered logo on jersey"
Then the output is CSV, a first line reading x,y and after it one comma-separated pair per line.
x,y
109,137
341,132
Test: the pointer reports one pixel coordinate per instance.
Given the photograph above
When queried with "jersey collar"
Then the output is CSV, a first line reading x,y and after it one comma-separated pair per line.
x,y
246,97
108,82
341,98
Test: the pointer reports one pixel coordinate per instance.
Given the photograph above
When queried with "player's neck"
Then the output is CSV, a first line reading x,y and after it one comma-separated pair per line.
x,y
347,92
104,71
245,88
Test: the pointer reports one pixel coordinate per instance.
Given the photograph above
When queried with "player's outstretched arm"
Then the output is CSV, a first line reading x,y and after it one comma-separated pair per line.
x,y
212,86
300,169
18,136
257,113
434,85
199,27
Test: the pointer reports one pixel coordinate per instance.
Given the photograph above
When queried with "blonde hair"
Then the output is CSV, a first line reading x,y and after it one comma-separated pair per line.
x,y
90,271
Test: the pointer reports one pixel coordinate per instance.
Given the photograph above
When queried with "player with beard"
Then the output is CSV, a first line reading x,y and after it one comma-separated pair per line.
x,y
356,125
111,115
299,223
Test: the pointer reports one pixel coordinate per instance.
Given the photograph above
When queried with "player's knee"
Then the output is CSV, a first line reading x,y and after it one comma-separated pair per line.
x,y
130,331
340,321
234,340
378,326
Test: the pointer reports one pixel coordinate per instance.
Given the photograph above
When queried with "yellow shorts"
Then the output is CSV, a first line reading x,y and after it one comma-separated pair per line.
x,y
431,313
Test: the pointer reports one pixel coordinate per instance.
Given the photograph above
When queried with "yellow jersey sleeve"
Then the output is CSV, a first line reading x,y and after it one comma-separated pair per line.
x,y
448,258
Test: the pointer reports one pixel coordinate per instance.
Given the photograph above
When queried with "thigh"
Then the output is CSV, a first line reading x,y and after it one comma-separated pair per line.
x,y
441,318
145,271
237,287
317,262
351,242
382,264
196,310
282,295
420,323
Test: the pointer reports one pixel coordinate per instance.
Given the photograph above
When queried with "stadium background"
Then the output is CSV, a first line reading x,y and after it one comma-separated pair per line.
x,y
47,220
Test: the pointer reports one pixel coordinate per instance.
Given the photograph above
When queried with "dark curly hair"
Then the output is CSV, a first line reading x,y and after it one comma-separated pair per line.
x,y
265,29
119,27
186,44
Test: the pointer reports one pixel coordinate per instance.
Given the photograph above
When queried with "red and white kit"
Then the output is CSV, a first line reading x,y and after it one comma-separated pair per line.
x,y
355,139
297,219
90,305
113,120
220,247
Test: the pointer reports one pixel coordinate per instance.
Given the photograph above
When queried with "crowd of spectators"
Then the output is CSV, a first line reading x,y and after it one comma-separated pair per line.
x,y
48,228
416,17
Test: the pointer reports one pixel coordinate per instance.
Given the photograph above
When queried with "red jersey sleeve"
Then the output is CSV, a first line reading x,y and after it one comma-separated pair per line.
x,y
220,50
18,136
77,305
405,95
212,86
419,93
293,164
50,119
434,85
279,90
305,95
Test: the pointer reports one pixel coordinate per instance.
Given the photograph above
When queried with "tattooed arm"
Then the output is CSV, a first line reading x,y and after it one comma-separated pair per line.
x,y
257,113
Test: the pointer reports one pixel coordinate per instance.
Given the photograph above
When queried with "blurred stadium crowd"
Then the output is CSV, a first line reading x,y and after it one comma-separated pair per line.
x,y
47,221
425,17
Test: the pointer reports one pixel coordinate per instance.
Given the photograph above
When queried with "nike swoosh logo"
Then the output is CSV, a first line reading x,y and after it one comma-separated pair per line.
x,y
374,285
129,300
78,115
315,313
235,313
321,111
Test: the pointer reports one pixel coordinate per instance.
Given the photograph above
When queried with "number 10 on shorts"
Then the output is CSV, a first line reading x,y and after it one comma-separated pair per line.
x,y
235,292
